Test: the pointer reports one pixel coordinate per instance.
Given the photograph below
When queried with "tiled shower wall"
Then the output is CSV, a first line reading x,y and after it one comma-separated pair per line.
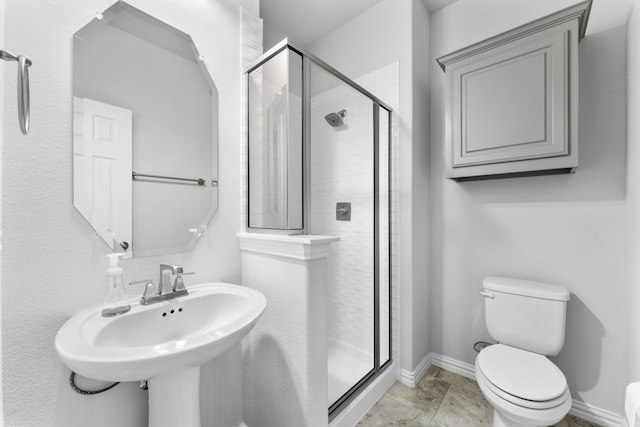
x,y
342,171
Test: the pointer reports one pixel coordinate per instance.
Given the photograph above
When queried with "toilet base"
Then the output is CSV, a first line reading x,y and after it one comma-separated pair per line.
x,y
500,420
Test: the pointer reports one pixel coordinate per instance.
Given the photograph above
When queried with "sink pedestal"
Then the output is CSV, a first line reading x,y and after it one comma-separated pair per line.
x,y
174,399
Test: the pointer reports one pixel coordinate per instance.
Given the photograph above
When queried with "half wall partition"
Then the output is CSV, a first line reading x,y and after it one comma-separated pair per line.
x,y
319,162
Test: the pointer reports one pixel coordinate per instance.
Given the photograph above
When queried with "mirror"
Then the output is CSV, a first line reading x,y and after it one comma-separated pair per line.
x,y
144,134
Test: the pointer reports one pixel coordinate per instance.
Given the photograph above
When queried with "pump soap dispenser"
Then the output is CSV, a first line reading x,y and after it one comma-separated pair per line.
x,y
115,300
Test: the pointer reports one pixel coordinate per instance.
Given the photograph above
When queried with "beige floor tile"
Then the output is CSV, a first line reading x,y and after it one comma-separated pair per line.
x,y
391,412
441,399
426,397
461,383
432,371
441,374
453,379
463,408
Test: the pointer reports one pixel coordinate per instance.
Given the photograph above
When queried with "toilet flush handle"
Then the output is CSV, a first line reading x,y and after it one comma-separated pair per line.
x,y
488,294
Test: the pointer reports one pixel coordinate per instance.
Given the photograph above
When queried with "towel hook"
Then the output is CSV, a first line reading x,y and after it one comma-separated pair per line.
x,y
23,87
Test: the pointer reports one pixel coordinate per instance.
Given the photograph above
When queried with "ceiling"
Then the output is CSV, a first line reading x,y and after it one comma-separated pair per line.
x,y
305,21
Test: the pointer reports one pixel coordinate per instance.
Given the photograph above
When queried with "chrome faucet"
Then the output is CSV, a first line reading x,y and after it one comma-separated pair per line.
x,y
165,290
166,270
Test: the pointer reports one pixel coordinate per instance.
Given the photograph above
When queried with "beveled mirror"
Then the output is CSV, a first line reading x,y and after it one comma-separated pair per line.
x,y
144,133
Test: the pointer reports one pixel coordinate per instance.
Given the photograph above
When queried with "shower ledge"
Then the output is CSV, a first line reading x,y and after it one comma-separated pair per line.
x,y
299,246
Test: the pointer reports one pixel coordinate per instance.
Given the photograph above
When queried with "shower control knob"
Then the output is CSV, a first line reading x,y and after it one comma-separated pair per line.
x,y
343,211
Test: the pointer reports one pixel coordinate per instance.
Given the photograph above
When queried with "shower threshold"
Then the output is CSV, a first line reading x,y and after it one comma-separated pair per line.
x,y
346,366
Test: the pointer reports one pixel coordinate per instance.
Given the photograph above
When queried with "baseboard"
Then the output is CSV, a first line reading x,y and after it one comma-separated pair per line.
x,y
453,365
412,378
596,415
580,409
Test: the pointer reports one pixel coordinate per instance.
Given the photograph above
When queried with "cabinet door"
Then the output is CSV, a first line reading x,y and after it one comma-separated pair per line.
x,y
509,106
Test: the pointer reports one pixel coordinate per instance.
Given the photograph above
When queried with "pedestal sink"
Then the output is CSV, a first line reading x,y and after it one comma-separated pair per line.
x,y
164,343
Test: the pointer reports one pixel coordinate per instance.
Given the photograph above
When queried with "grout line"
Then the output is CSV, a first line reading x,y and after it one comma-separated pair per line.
x,y
443,397
440,404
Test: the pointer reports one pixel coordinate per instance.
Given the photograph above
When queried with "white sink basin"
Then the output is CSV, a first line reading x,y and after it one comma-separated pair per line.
x,y
164,343
154,339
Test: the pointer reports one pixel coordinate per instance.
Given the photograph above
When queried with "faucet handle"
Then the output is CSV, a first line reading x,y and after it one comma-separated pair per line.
x,y
178,284
149,290
137,282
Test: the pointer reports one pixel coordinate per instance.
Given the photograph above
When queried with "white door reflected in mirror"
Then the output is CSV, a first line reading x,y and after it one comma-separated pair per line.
x,y
102,169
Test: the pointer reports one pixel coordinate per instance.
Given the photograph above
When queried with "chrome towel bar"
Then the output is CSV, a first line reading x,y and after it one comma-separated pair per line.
x,y
23,87
198,181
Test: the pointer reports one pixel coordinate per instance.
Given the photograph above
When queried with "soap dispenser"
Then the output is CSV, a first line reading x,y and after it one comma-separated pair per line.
x,y
115,300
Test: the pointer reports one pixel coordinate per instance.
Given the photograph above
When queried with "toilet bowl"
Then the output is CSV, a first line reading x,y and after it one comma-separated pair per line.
x,y
524,388
528,320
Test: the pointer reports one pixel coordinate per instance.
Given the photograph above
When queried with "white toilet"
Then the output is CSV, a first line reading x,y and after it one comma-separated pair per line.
x,y
528,321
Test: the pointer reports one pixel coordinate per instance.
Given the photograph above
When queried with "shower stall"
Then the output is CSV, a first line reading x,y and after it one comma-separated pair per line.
x,y
319,163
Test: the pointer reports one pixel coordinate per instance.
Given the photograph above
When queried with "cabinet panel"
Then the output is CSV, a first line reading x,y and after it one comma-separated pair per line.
x,y
511,105
518,89
511,101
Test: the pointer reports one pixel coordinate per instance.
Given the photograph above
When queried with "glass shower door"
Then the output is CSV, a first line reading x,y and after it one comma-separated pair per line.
x,y
342,204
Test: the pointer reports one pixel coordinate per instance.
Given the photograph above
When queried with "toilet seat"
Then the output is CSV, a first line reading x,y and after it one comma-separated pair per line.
x,y
506,413
523,378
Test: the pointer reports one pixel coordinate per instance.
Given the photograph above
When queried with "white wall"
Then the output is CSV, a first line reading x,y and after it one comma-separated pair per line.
x,y
565,229
52,262
420,209
390,32
633,189
2,67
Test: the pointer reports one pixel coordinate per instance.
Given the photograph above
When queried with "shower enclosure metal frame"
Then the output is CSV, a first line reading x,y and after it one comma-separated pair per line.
x,y
377,104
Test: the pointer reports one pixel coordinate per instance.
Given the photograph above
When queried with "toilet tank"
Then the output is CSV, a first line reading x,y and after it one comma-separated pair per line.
x,y
525,314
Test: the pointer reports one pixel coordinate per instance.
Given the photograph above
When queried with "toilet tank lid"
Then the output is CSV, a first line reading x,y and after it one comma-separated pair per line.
x,y
526,288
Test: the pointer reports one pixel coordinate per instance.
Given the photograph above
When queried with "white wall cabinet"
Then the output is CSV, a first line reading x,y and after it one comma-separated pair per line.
x,y
512,100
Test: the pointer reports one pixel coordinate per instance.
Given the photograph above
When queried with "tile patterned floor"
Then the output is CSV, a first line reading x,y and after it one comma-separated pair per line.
x,y
441,399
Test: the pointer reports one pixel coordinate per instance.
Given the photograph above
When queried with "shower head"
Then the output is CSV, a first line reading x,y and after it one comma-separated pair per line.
x,y
335,119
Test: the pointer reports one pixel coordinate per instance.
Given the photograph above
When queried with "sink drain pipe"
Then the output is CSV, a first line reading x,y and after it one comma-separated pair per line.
x,y
74,386
72,382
